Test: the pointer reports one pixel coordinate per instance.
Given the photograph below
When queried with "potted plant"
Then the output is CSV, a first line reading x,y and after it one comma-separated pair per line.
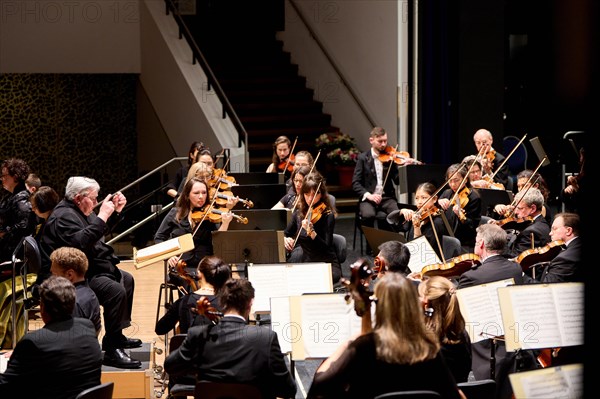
x,y
341,152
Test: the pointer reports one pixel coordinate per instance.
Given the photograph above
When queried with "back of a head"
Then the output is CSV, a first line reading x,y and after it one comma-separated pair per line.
x,y
494,237
79,184
57,295
215,271
70,258
397,256
44,199
236,295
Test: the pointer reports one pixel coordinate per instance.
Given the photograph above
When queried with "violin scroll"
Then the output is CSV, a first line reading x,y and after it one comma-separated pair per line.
x,y
205,308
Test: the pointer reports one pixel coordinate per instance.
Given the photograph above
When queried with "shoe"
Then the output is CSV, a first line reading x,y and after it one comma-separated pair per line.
x,y
118,358
128,343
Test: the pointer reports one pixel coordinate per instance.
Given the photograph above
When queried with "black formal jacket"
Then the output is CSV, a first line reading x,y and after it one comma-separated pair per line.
x,y
501,175
567,266
57,361
365,178
464,230
67,226
541,236
234,352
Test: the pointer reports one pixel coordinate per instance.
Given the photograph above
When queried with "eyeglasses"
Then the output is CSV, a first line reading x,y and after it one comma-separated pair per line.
x,y
93,199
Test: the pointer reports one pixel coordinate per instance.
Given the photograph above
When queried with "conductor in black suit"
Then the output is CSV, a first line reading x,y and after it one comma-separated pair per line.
x,y
233,351
59,360
373,181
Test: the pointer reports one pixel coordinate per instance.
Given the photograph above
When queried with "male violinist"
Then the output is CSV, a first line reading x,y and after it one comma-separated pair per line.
x,y
490,160
373,181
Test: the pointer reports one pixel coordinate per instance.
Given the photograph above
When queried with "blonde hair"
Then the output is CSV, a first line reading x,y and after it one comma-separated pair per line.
x,y
400,333
446,320
199,170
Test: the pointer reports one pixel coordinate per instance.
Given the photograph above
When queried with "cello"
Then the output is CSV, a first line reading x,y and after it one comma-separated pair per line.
x,y
359,293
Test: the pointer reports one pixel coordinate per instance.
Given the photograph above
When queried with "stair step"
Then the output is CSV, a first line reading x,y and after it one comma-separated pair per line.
x,y
274,108
264,82
311,132
294,94
285,121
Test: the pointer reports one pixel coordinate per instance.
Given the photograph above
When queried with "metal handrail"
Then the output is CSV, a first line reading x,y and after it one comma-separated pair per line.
x,y
212,80
333,64
141,223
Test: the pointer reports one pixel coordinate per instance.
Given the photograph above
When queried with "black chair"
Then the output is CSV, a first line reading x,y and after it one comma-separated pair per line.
x,y
380,217
423,394
179,390
481,389
222,390
102,391
451,247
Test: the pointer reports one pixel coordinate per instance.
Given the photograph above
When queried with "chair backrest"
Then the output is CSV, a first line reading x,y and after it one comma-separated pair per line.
x,y
481,389
176,341
422,394
224,390
339,244
31,255
102,391
451,247
518,160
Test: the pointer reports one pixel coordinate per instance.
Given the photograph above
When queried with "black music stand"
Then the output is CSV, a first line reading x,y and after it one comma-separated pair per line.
x,y
412,175
490,197
258,178
376,237
262,219
264,196
249,246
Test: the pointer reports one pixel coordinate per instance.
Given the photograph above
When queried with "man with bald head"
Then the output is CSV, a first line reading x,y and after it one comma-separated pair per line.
x,y
490,160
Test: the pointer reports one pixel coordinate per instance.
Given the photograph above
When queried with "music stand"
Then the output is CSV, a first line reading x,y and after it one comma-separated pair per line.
x,y
410,176
376,237
257,178
264,196
539,150
263,219
249,246
490,197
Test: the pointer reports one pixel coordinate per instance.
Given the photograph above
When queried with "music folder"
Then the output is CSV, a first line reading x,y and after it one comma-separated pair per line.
x,y
163,250
376,237
490,198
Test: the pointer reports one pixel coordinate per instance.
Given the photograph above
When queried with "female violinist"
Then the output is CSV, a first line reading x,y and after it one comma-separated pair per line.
x,y
173,186
282,148
303,158
462,205
183,219
312,225
289,201
417,223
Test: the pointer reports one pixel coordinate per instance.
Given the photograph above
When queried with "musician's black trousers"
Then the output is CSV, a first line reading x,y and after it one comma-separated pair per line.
x,y
116,299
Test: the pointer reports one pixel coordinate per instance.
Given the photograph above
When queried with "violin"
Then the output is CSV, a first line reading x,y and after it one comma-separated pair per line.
x,y
317,212
287,165
423,215
219,179
358,291
180,267
223,196
398,157
546,253
215,215
205,308
514,223
453,267
463,200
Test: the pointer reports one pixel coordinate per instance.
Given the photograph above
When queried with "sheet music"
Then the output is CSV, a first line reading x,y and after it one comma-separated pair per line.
x,y
480,307
543,315
325,322
158,249
281,323
548,383
287,279
421,254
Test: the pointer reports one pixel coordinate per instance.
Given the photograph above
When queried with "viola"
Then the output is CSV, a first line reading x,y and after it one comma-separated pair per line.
x,y
398,157
205,308
453,267
514,222
358,291
223,196
546,253
214,215
287,165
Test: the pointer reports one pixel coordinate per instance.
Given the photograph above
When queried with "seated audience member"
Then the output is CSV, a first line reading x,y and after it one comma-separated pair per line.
x,y
59,360
212,273
43,201
443,317
232,350
72,264
399,351
32,183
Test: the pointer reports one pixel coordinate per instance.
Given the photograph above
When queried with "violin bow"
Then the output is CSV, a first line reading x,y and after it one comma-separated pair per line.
x,y
308,212
312,167
389,169
437,240
508,156
289,158
529,185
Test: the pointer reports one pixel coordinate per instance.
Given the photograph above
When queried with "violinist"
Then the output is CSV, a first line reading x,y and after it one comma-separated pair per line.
x,y
417,223
490,244
212,273
567,266
289,200
462,205
282,148
303,158
173,186
183,219
491,158
574,193
526,178
312,225
393,257
476,174
537,234
373,182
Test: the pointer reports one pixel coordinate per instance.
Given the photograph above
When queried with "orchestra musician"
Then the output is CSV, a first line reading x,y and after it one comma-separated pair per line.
x,y
490,244
491,159
417,223
289,200
393,257
312,225
302,158
526,178
385,353
187,217
174,185
462,205
282,148
373,181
